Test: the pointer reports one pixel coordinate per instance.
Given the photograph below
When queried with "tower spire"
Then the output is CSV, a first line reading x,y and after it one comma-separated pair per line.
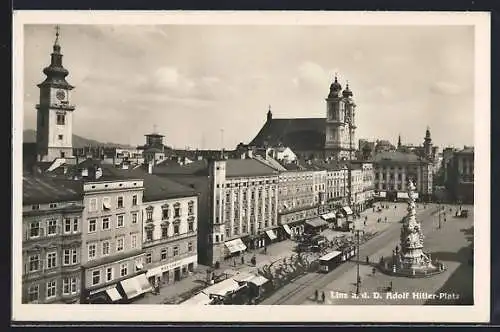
x,y
399,141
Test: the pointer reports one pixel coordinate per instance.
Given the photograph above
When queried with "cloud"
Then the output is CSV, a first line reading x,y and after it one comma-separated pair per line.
x,y
311,75
446,88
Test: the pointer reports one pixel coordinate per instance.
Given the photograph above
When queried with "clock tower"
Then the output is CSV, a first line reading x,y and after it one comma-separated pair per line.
x,y
55,111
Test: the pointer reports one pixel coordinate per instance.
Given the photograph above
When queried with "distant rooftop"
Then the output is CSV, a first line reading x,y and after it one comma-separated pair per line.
x,y
397,156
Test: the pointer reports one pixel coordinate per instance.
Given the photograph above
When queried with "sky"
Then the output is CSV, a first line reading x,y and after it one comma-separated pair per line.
x,y
206,86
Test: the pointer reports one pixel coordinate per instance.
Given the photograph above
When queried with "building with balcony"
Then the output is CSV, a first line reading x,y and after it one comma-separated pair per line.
x,y
112,255
170,214
51,249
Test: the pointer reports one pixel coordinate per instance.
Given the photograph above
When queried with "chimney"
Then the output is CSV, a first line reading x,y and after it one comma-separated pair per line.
x,y
150,168
98,173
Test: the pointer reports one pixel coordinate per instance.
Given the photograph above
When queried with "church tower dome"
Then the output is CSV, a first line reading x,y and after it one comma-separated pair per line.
x,y
335,88
347,93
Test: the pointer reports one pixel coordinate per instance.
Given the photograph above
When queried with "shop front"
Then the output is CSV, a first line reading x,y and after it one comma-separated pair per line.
x,y
103,295
172,271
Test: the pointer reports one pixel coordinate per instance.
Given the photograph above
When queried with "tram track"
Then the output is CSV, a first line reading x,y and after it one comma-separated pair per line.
x,y
300,289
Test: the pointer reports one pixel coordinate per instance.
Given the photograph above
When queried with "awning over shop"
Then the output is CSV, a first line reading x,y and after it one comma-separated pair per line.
x,y
235,245
402,194
113,294
347,210
316,222
222,288
258,280
287,229
198,299
328,216
136,286
270,233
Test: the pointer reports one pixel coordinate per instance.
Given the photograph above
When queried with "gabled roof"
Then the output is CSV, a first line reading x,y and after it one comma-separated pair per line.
x,y
247,167
43,189
298,134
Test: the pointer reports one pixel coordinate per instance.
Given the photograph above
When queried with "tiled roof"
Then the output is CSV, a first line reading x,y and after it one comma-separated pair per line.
x,y
197,167
247,167
42,189
157,188
396,156
298,134
271,162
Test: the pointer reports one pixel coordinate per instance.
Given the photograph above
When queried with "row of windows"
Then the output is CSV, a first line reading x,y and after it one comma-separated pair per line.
x,y
245,184
36,229
164,230
70,286
70,257
109,274
106,246
106,203
244,230
165,210
164,252
106,222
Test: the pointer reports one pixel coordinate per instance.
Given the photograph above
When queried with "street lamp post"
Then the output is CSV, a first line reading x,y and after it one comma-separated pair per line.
x,y
358,279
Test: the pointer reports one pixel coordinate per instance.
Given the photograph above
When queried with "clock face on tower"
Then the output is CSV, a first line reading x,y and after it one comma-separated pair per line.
x,y
60,94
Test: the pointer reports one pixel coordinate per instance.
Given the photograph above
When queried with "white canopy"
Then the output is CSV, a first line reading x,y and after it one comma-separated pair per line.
x,y
235,245
271,234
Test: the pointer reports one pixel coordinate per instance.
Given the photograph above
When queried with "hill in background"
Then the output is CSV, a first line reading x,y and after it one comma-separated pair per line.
x,y
29,136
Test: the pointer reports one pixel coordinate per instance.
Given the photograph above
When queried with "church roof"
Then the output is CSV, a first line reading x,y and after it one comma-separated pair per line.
x,y
298,134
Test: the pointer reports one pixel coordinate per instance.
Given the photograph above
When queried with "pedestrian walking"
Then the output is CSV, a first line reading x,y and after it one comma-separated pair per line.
x,y
373,271
323,296
385,219
265,250
390,286
316,294
367,260
242,259
364,223
234,262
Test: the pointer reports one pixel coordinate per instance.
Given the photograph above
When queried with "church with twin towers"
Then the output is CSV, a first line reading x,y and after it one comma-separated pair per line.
x,y
331,138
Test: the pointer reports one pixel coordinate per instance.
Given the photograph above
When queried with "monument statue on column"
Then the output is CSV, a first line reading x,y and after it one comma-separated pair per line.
x,y
411,260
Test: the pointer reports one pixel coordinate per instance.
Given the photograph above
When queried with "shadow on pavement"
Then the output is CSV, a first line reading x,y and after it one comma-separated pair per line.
x,y
460,282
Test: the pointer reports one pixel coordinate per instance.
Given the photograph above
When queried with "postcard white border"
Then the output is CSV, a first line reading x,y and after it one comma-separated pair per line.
x,y
480,312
